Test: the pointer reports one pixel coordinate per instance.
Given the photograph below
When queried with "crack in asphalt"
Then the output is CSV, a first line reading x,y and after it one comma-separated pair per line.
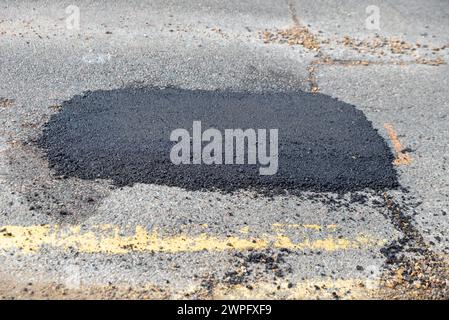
x,y
411,270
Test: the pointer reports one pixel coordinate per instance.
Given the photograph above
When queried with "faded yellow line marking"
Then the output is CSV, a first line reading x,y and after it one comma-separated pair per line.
x,y
316,227
306,289
109,239
402,157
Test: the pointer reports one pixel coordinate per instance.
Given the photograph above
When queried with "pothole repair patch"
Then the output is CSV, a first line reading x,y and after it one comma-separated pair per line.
x,y
124,135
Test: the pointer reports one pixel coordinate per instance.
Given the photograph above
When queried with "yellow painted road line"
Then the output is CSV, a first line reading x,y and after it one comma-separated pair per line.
x,y
402,157
109,239
306,289
317,227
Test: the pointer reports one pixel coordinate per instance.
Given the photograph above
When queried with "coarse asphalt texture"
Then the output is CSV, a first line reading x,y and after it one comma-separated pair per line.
x,y
370,234
124,135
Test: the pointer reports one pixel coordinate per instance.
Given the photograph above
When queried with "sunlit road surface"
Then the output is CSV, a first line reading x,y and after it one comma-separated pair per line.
x,y
62,236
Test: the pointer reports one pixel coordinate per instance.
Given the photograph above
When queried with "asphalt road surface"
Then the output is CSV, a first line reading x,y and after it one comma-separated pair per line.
x,y
91,206
124,135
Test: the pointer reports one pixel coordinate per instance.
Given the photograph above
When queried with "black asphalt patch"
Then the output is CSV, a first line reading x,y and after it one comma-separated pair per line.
x,y
124,135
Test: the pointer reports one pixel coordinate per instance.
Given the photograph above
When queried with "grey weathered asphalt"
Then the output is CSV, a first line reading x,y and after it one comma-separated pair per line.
x,y
71,237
